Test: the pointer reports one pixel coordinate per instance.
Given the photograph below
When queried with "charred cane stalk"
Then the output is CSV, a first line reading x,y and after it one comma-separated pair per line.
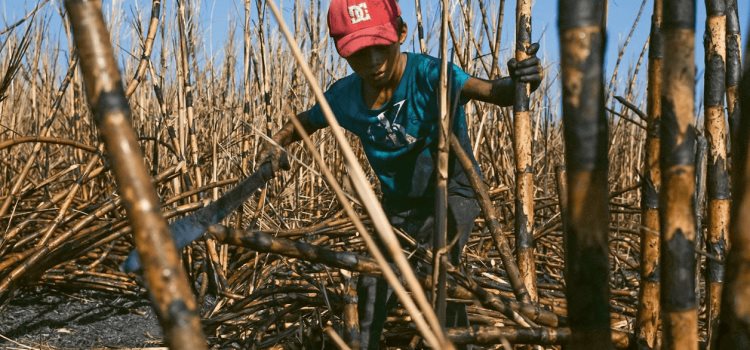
x,y
587,225
734,328
522,145
484,335
171,294
718,171
676,215
647,321
734,70
267,243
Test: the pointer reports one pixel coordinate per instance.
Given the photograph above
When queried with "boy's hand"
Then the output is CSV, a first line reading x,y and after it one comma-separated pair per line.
x,y
276,156
528,70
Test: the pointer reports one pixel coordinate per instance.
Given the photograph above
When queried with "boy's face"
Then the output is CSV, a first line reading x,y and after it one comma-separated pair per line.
x,y
377,65
380,65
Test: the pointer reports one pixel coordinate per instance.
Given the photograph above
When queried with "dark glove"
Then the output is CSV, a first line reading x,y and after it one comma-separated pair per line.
x,y
276,156
528,70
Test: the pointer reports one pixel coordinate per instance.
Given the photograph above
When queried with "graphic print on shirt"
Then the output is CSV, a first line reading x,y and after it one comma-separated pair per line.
x,y
387,129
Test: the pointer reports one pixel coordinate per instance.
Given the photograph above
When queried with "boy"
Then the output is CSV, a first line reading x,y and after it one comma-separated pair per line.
x,y
390,103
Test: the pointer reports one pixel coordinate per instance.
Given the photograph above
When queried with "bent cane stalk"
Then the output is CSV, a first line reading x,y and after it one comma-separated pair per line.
x,y
647,320
676,215
172,297
523,146
434,335
585,129
718,170
493,221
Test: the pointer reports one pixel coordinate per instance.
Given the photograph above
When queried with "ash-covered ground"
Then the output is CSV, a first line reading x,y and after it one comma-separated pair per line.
x,y
47,319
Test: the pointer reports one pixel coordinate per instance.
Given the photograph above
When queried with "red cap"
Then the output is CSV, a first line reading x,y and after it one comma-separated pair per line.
x,y
356,24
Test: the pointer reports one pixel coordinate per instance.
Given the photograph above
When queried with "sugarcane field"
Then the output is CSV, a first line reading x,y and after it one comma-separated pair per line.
x,y
374,174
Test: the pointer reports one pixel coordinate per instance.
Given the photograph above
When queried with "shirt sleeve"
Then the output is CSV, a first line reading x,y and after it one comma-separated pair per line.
x,y
315,114
456,80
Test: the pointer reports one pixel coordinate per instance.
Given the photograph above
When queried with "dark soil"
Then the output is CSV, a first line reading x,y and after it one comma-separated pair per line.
x,y
78,320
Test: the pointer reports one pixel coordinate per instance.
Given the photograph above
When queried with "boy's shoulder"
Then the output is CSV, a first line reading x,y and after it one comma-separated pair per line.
x,y
344,84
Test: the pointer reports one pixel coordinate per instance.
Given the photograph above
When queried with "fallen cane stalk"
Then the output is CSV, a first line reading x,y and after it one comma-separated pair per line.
x,y
491,217
266,243
483,335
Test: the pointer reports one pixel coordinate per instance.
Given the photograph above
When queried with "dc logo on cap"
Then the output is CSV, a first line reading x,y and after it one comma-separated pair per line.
x,y
359,13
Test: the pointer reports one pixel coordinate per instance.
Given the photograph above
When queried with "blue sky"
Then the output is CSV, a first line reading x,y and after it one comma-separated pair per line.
x,y
217,14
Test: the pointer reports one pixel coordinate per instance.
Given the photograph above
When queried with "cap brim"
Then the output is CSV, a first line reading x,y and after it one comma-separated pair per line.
x,y
384,34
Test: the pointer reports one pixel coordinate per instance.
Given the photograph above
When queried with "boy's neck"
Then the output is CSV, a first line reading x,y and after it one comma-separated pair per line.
x,y
376,96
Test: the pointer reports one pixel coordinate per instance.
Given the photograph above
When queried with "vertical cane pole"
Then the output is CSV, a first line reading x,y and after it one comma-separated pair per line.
x,y
522,147
678,139
582,39
647,320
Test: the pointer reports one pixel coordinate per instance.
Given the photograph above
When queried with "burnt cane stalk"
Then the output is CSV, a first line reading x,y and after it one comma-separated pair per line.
x,y
582,39
718,172
647,320
266,243
678,138
167,282
734,328
734,71
522,145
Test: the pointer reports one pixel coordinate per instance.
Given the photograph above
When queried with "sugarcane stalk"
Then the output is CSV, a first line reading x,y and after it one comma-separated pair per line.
x,y
676,215
440,235
498,37
522,146
647,319
582,39
733,72
420,27
173,301
718,171
148,46
488,335
734,328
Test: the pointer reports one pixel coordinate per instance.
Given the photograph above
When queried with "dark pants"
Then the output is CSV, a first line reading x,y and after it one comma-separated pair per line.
x,y
417,221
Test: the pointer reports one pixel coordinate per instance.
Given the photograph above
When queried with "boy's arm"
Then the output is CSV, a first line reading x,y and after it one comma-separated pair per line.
x,y
499,91
502,91
284,137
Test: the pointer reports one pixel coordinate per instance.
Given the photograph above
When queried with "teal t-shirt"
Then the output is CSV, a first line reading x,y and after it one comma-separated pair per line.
x,y
400,138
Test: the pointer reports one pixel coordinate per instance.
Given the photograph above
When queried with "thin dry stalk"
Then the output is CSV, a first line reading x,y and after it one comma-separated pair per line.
x,y
148,46
440,235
